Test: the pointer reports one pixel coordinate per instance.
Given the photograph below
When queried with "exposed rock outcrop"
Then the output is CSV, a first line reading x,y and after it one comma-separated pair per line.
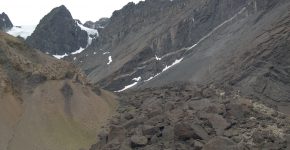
x,y
58,33
5,23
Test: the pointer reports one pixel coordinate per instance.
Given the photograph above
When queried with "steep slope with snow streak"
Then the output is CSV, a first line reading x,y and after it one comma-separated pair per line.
x,y
144,39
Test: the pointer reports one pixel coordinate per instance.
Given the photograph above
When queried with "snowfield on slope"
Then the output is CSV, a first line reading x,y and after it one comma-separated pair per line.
x,y
22,31
91,32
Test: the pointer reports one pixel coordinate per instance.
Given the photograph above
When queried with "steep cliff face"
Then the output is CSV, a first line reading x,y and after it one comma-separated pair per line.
x,y
249,53
46,103
5,23
144,39
58,33
225,42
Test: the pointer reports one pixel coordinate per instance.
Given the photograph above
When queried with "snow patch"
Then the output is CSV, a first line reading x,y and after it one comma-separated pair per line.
x,y
89,30
157,58
166,68
3,20
22,31
152,77
60,56
90,40
137,79
110,60
173,64
106,53
78,51
127,87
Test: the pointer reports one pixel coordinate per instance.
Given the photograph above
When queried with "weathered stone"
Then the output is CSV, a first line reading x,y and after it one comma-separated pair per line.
x,y
116,132
133,122
208,92
168,133
150,130
103,138
200,131
199,105
197,145
218,123
138,141
220,143
237,110
128,116
184,131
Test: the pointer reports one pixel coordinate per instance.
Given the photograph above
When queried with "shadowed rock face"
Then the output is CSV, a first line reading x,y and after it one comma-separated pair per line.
x,y
58,33
5,23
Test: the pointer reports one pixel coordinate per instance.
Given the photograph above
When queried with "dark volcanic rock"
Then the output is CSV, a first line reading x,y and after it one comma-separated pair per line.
x,y
58,33
5,23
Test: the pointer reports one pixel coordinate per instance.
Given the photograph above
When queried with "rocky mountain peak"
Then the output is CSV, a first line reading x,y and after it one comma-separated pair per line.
x,y
58,33
5,23
61,11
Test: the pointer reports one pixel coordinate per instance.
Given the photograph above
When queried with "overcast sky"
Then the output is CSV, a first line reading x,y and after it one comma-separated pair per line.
x,y
29,12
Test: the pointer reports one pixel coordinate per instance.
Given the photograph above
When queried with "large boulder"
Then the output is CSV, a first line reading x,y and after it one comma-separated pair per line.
x,y
137,141
184,131
220,143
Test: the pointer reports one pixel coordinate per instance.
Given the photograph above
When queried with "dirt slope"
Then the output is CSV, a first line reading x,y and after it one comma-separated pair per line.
x,y
46,103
